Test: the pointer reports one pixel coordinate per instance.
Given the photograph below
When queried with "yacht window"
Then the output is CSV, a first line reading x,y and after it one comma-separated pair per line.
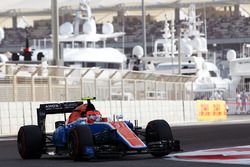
x,y
67,64
175,66
113,66
166,67
91,64
188,66
104,65
160,47
212,73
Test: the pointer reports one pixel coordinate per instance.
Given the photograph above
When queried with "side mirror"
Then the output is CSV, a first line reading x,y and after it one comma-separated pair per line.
x,y
119,117
59,123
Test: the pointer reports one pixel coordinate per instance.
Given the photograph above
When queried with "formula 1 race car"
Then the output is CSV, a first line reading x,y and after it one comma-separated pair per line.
x,y
86,135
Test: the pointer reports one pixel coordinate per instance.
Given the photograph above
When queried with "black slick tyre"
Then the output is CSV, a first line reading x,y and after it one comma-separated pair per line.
x,y
80,139
157,131
30,142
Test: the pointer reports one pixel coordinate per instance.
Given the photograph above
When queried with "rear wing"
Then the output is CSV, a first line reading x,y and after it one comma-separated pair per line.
x,y
54,108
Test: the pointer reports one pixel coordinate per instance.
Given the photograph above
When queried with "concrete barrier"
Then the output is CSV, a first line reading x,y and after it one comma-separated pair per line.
x,y
13,115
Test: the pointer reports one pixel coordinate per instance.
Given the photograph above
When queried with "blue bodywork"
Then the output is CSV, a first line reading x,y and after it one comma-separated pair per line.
x,y
60,135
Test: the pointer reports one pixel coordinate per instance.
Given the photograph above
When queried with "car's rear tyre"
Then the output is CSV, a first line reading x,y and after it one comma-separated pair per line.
x,y
30,142
81,143
158,130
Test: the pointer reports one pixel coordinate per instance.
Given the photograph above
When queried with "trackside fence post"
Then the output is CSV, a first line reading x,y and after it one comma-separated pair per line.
x,y
110,89
66,89
14,88
50,88
33,92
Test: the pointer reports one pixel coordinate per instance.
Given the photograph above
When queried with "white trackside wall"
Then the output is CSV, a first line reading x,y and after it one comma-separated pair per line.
x,y
13,115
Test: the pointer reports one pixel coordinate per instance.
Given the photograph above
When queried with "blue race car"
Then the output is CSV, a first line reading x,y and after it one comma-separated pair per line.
x,y
86,135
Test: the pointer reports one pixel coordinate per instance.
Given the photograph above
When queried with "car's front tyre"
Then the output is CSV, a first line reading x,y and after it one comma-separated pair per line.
x,y
80,143
158,132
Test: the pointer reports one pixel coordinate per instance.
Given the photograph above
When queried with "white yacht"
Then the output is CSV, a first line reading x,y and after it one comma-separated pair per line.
x,y
193,49
239,69
84,48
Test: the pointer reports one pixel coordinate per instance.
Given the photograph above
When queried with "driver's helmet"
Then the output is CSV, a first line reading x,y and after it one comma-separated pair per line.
x,y
94,116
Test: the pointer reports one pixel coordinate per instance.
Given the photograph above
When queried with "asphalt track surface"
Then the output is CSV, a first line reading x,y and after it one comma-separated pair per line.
x,y
192,137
